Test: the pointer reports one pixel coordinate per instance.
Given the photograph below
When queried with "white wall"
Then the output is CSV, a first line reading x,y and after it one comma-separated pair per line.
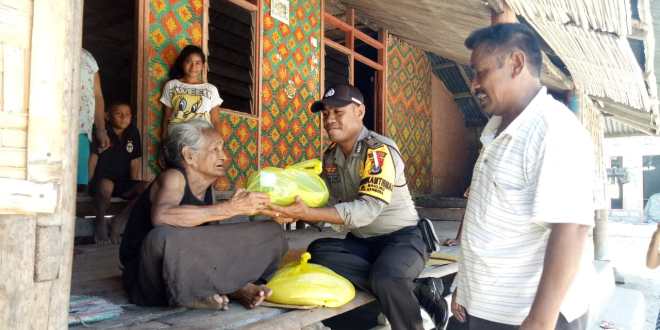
x,y
632,149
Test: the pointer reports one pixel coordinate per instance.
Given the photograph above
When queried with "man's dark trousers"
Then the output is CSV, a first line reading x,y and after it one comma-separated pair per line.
x,y
384,265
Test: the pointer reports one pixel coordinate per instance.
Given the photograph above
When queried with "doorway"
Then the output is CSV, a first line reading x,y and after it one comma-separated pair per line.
x,y
354,55
651,176
109,34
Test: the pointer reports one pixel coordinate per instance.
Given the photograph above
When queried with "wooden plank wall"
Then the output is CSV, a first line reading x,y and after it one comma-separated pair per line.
x,y
39,100
15,25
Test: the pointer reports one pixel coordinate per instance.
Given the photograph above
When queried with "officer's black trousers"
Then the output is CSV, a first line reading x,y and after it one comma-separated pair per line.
x,y
384,265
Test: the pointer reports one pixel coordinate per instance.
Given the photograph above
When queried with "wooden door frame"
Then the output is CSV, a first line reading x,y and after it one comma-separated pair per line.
x,y
142,83
379,66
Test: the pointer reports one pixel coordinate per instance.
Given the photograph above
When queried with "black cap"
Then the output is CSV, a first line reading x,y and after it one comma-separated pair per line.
x,y
338,96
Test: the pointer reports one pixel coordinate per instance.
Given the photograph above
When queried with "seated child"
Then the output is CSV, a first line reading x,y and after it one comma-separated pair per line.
x,y
115,171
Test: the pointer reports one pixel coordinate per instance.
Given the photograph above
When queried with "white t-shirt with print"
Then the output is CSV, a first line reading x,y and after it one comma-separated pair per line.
x,y
88,67
189,101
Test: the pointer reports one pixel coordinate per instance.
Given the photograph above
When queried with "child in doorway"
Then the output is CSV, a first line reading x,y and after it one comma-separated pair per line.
x,y
115,171
186,95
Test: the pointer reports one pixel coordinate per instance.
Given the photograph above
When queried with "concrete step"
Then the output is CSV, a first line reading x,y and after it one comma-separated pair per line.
x,y
624,310
603,286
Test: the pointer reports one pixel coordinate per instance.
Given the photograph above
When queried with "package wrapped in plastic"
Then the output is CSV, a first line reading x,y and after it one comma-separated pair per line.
x,y
283,185
305,284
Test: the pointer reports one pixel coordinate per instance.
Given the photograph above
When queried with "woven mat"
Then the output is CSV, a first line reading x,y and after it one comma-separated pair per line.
x,y
87,309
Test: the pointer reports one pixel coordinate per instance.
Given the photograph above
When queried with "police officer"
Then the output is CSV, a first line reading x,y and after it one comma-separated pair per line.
x,y
384,250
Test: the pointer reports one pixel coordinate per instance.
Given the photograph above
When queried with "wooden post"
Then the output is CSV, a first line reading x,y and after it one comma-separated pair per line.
x,y
36,234
600,236
350,44
381,112
592,120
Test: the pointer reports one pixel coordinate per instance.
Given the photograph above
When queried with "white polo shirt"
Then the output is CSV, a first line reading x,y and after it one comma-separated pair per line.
x,y
537,172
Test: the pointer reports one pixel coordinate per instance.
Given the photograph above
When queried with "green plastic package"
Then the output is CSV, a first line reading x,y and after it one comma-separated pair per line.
x,y
283,185
304,284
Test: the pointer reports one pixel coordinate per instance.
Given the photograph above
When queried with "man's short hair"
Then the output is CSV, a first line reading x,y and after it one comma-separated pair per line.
x,y
186,134
509,36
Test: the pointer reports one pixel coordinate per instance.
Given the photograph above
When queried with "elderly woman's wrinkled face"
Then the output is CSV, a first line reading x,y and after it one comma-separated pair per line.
x,y
210,158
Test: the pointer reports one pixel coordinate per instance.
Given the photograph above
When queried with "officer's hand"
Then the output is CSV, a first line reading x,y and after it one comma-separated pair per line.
x,y
298,210
277,217
450,242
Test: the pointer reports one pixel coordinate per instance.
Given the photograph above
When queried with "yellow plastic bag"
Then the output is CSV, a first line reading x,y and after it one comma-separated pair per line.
x,y
305,284
310,165
283,185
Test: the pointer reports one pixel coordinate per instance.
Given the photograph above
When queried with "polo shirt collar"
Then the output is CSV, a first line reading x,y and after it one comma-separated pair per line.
x,y
490,130
340,159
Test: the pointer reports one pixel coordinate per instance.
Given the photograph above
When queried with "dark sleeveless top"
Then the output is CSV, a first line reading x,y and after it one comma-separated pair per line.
x,y
139,224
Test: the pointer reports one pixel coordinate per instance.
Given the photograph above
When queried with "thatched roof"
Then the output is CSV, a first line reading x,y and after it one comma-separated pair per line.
x,y
589,36
592,39
440,27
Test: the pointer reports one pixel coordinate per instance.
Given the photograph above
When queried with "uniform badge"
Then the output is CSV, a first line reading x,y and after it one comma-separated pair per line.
x,y
376,159
129,146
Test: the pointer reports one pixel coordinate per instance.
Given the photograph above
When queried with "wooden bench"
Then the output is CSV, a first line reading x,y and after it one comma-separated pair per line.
x,y
296,319
85,205
86,213
96,273
136,317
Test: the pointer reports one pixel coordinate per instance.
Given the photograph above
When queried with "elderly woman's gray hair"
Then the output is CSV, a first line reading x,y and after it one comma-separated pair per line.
x,y
186,134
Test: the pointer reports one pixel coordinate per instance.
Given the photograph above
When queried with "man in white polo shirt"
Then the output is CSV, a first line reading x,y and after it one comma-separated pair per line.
x,y
526,261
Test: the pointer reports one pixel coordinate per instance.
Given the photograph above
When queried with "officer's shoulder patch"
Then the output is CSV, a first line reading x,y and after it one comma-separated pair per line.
x,y
378,173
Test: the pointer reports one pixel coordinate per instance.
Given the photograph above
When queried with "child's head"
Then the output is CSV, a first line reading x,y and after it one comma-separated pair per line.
x,y
190,62
120,115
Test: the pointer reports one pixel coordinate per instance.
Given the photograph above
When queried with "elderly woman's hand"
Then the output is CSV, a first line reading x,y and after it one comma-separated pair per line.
x,y
249,203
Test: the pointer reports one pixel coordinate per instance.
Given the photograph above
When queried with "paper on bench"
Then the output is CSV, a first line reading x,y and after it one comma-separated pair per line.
x,y
447,252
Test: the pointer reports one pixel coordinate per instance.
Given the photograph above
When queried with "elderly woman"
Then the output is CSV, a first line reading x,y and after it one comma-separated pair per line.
x,y
172,255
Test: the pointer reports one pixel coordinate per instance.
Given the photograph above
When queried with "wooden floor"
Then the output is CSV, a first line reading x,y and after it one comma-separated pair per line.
x,y
96,272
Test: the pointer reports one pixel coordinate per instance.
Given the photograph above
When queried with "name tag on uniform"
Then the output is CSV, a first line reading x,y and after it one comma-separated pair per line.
x,y
331,173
